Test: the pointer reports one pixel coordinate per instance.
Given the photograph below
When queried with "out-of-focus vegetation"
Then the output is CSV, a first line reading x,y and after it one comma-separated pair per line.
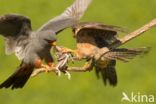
x,y
138,75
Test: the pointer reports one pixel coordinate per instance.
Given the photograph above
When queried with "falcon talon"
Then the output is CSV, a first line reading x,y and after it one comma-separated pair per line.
x,y
71,58
57,71
68,75
47,68
64,62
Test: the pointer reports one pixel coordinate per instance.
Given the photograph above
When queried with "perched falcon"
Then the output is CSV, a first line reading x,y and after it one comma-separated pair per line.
x,y
31,47
90,38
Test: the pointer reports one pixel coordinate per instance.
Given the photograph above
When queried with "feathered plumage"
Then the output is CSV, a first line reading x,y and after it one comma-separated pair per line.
x,y
31,47
91,37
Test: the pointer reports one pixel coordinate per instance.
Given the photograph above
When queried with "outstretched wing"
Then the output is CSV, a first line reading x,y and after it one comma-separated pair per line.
x,y
68,18
101,35
11,27
124,54
12,24
94,36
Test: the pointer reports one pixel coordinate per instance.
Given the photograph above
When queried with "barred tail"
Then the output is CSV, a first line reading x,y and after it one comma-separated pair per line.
x,y
125,54
19,77
108,73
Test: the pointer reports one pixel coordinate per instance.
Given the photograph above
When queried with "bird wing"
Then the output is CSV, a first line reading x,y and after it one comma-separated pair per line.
x,y
124,54
103,35
19,78
11,27
68,18
11,24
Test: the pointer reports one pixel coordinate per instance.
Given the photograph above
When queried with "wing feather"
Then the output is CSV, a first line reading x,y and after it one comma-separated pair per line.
x,y
103,35
11,24
68,18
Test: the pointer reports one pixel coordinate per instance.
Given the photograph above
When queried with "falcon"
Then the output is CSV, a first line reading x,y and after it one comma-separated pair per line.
x,y
90,38
33,47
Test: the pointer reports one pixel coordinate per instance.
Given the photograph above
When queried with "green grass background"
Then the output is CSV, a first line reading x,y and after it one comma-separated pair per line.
x,y
139,75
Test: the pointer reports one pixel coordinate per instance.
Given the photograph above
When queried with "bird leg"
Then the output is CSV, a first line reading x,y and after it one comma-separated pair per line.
x,y
60,48
38,64
73,54
62,52
51,65
65,50
88,66
45,67
57,71
62,64
65,54
62,57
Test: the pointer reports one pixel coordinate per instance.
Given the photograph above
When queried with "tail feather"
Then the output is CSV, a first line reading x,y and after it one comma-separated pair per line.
x,y
125,54
108,74
19,78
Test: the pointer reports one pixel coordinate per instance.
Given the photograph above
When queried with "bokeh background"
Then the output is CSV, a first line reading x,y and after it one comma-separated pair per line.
x,y
138,75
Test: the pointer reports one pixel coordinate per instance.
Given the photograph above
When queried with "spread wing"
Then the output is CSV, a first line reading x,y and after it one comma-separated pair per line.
x,y
12,24
11,27
68,18
102,35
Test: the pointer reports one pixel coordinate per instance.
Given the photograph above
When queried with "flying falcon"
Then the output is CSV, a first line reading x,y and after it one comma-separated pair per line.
x,y
90,38
32,47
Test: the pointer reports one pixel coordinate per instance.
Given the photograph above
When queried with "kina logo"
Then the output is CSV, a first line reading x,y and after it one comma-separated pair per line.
x,y
137,97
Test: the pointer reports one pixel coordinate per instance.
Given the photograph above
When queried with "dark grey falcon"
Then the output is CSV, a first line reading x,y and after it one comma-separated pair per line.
x,y
32,47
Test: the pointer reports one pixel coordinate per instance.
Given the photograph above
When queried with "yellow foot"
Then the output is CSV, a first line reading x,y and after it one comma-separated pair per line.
x,y
46,68
88,65
67,50
58,72
68,75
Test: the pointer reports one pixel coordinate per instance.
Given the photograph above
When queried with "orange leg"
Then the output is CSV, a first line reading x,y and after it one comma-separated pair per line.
x,y
39,64
67,50
76,53
89,65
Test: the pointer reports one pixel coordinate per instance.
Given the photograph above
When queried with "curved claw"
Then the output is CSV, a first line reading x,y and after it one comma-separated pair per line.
x,y
46,68
58,72
63,56
68,75
71,58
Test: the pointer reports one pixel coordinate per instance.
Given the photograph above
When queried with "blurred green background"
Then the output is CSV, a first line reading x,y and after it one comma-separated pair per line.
x,y
139,75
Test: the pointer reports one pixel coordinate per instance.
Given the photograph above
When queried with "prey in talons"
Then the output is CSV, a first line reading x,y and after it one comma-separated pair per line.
x,y
63,55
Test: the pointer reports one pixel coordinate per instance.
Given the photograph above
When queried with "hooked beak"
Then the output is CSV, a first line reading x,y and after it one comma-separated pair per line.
x,y
53,43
